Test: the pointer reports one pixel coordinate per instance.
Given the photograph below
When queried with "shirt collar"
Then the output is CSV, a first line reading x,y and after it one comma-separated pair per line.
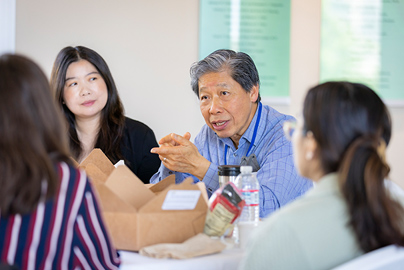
x,y
327,184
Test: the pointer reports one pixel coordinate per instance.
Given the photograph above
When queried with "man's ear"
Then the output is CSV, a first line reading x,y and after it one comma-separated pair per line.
x,y
254,93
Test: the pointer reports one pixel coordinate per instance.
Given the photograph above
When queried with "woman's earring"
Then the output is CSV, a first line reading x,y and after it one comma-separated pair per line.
x,y
309,155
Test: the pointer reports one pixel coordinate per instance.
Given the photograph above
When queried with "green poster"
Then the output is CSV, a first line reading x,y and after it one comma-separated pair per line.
x,y
258,28
361,42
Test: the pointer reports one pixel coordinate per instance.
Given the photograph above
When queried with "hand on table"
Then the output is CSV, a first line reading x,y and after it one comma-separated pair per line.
x,y
179,154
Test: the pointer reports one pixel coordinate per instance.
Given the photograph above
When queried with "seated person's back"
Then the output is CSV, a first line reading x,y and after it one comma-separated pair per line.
x,y
340,144
49,216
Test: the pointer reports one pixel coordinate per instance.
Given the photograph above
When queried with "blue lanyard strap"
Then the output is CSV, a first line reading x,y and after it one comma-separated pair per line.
x,y
253,137
225,154
255,129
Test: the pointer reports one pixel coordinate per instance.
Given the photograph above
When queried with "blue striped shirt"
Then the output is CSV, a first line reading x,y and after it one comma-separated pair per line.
x,y
277,175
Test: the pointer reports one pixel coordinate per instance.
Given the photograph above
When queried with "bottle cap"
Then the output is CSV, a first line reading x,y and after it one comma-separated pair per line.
x,y
228,170
246,169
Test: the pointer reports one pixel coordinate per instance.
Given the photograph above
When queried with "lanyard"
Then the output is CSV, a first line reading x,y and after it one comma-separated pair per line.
x,y
253,137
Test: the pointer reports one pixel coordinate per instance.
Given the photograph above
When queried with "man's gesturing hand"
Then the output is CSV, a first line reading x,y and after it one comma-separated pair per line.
x,y
179,154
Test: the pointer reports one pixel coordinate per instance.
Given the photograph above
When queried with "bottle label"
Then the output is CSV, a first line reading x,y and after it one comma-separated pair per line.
x,y
251,197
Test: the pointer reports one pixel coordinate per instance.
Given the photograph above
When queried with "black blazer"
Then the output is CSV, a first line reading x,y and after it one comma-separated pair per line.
x,y
137,141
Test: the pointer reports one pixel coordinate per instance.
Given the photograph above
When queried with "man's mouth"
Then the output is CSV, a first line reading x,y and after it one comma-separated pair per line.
x,y
219,125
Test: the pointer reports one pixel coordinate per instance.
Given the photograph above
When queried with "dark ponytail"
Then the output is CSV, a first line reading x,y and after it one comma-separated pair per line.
x,y
373,214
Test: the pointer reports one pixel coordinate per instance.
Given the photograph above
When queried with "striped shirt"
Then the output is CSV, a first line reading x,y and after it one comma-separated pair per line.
x,y
278,178
66,232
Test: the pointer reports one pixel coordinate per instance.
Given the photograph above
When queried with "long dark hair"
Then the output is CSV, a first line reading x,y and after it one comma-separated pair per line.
x,y
32,136
112,116
352,127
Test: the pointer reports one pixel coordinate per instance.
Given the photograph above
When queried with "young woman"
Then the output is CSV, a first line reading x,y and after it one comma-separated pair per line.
x,y
86,92
49,216
339,144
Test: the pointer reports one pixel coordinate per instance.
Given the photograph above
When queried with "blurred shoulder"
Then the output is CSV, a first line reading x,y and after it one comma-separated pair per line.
x,y
395,191
70,174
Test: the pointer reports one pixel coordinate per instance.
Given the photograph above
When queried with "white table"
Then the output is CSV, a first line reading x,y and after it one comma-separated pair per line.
x,y
227,259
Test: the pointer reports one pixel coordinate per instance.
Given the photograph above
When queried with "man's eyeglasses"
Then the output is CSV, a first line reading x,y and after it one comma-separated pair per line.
x,y
289,128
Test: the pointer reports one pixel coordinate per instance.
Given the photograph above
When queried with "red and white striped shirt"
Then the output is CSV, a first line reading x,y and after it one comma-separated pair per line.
x,y
66,232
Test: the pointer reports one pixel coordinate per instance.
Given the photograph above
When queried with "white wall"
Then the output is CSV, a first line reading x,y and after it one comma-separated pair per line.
x,y
150,45
7,26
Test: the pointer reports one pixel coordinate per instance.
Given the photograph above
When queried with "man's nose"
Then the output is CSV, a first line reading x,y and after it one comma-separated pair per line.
x,y
216,105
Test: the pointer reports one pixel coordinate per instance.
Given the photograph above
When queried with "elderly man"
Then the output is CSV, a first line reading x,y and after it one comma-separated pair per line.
x,y
238,130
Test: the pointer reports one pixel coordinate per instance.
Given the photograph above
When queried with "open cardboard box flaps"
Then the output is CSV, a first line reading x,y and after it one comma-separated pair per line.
x,y
133,211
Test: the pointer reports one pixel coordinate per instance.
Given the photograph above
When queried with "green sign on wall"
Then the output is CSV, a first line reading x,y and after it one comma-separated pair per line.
x,y
260,28
361,41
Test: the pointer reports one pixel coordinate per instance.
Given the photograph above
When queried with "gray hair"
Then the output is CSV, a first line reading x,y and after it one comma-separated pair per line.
x,y
239,65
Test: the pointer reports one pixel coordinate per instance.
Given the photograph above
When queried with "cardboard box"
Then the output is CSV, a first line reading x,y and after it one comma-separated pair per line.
x,y
133,212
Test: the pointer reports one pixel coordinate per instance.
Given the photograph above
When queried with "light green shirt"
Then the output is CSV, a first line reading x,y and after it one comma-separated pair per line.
x,y
309,233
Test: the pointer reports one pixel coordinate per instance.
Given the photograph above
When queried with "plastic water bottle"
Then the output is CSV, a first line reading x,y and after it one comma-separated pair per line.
x,y
248,184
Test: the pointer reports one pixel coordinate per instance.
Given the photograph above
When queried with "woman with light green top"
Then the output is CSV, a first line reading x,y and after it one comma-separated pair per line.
x,y
339,144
